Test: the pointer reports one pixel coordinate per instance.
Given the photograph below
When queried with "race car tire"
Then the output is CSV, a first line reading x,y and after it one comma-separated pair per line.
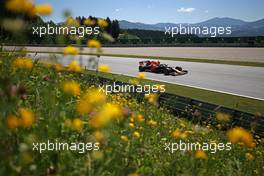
x,y
166,72
186,71
141,69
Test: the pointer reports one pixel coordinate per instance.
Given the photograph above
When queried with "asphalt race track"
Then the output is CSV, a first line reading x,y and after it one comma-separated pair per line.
x,y
239,80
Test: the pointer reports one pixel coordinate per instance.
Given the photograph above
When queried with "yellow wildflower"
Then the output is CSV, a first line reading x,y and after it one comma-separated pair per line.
x,y
72,22
223,117
182,124
238,134
12,122
95,96
152,98
22,62
104,68
141,76
132,119
99,136
131,125
92,98
99,121
140,118
200,154
124,138
89,22
105,116
83,107
112,110
184,135
27,117
20,6
249,156
178,134
71,87
152,123
94,44
57,67
136,134
70,50
74,66
102,23
43,9
77,124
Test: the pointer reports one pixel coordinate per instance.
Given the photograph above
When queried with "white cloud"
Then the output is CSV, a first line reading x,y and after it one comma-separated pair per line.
x,y
206,11
117,10
185,10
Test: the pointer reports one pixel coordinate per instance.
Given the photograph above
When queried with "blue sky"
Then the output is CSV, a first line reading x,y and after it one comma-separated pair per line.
x,y
154,11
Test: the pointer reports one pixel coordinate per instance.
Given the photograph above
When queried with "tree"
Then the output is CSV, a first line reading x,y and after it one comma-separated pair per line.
x,y
115,29
109,27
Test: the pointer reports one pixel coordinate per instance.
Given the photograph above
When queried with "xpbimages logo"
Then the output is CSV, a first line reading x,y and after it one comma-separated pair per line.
x,y
127,88
64,30
79,147
187,29
194,146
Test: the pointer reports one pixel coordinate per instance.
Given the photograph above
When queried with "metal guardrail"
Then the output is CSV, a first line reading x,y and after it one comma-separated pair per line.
x,y
203,112
206,112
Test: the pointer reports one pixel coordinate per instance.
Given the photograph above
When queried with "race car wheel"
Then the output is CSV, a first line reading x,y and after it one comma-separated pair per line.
x,y
141,69
166,72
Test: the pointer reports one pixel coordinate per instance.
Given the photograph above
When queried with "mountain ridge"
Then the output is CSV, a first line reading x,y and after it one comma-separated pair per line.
x,y
239,27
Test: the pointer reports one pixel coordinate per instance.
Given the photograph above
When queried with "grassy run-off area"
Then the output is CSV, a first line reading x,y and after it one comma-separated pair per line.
x,y
227,100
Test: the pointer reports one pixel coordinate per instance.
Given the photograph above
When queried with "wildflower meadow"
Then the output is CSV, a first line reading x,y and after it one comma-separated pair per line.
x,y
54,120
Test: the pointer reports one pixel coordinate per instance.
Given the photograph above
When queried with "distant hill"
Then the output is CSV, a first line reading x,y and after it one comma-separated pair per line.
x,y
130,25
240,28
255,28
222,22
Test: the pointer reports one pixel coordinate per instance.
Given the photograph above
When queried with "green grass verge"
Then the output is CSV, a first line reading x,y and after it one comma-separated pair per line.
x,y
200,60
226,100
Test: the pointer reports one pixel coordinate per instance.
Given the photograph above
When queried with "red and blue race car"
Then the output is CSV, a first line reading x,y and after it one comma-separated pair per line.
x,y
157,67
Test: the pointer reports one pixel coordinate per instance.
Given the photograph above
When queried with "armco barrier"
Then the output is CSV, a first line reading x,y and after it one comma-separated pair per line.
x,y
206,112
202,112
